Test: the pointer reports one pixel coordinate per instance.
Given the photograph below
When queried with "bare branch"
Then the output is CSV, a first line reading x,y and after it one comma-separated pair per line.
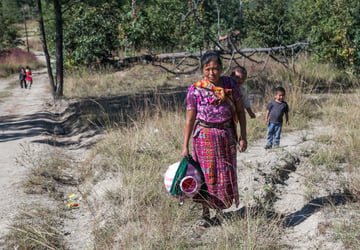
x,y
178,72
263,68
179,59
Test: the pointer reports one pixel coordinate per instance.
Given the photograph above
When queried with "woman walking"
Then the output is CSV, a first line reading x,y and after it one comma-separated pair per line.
x,y
214,108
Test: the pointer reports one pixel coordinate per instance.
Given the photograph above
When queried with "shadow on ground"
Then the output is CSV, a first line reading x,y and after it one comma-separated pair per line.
x,y
86,118
296,218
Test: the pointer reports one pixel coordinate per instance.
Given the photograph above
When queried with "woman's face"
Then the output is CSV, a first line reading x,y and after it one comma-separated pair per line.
x,y
212,72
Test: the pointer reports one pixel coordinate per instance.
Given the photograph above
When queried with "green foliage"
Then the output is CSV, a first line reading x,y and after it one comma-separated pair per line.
x,y
90,31
184,25
153,26
96,30
92,35
354,35
221,16
193,37
8,33
11,11
334,29
267,23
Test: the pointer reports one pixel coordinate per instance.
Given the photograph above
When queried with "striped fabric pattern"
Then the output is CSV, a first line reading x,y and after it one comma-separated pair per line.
x,y
215,150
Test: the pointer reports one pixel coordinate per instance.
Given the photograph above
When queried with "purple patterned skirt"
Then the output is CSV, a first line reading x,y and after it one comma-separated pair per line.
x,y
215,150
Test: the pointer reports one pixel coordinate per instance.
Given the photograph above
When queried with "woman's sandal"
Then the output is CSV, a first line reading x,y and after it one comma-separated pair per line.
x,y
204,222
216,221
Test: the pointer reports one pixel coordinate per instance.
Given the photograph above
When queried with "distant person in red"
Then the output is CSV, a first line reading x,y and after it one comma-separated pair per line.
x,y
22,77
28,76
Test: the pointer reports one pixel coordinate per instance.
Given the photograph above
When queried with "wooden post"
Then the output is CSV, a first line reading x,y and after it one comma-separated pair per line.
x,y
26,33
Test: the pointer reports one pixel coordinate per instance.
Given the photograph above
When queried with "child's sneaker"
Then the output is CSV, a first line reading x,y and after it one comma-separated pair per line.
x,y
267,146
276,146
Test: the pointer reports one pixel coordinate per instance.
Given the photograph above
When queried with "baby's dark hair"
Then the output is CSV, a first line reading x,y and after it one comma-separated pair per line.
x,y
279,89
239,68
210,56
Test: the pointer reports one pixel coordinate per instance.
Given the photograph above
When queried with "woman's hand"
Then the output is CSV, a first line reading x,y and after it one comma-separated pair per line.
x,y
243,145
185,153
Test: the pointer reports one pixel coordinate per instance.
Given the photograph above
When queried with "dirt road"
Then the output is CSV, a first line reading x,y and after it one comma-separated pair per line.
x,y
21,122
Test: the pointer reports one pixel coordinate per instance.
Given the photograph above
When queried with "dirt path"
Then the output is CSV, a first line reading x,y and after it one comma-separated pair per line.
x,y
20,124
280,178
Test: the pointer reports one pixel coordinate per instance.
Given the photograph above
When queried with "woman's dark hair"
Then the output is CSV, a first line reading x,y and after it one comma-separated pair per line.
x,y
210,56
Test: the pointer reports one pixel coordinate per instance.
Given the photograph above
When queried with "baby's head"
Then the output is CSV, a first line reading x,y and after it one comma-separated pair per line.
x,y
239,74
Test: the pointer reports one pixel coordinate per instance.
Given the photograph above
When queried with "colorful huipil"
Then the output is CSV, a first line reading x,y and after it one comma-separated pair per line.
x,y
213,147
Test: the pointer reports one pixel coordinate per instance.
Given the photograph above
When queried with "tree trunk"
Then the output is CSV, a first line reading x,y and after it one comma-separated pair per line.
x,y
45,49
26,33
133,7
59,49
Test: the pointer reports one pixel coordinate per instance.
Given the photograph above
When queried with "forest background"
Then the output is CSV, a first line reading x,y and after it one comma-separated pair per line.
x,y
95,31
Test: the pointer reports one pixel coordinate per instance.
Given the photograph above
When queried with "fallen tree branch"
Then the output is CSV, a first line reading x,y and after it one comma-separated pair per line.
x,y
178,59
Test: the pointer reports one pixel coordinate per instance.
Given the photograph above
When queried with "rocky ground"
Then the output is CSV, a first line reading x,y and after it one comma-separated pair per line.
x,y
278,177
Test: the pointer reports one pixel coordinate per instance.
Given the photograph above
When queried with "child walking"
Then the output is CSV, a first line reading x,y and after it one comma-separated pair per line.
x,y
28,76
22,78
275,111
239,74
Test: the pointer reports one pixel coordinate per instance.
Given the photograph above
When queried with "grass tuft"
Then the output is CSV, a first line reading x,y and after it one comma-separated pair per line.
x,y
35,228
49,170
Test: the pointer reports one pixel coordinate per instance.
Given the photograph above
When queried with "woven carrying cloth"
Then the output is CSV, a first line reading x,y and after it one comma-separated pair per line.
x,y
223,95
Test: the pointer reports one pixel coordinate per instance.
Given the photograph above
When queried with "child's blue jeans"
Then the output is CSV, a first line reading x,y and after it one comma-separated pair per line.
x,y
274,131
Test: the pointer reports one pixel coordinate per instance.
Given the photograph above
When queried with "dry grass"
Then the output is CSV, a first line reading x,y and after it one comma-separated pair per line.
x,y
33,35
12,60
49,170
347,230
341,112
86,83
339,153
344,147
144,216
139,213
153,222
35,228
35,44
324,77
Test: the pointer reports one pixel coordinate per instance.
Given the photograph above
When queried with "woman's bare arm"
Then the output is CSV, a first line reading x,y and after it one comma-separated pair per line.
x,y
189,126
